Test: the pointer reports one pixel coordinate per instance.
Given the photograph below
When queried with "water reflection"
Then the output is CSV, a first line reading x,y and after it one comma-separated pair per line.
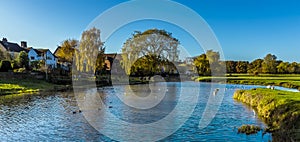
x,y
49,117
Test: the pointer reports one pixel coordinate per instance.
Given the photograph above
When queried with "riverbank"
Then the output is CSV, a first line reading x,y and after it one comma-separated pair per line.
x,y
279,109
17,86
284,80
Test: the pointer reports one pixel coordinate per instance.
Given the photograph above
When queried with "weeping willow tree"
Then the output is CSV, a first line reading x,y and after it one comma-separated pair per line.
x,y
90,53
153,44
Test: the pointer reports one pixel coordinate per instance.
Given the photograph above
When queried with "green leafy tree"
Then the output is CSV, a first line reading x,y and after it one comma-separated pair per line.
x,y
147,66
37,65
269,64
208,63
151,43
255,67
89,49
66,50
23,60
298,68
202,65
292,68
241,66
231,66
283,67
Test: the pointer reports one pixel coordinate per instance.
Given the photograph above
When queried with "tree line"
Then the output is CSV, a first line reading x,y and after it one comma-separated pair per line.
x,y
148,53
268,65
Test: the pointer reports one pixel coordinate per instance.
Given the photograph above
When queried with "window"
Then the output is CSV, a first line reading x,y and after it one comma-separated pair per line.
x,y
31,58
49,58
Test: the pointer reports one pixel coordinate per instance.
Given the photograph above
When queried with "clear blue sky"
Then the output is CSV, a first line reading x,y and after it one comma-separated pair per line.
x,y
246,29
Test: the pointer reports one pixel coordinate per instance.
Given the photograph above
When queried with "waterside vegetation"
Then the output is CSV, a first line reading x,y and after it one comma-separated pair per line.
x,y
249,129
18,86
284,80
279,109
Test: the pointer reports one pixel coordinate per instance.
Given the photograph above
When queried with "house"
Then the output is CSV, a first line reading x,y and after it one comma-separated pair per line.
x,y
12,48
109,59
113,63
42,54
190,60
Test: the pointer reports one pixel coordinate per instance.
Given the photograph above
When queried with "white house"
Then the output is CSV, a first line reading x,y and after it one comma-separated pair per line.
x,y
42,54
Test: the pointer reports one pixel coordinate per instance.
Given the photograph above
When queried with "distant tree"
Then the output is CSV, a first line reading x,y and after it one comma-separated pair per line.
x,y
202,65
150,43
213,57
231,66
89,49
23,60
214,61
283,67
269,64
255,67
292,68
298,68
241,66
66,50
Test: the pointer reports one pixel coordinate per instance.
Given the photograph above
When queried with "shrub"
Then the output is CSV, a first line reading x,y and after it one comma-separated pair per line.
x,y
23,60
5,66
14,65
35,65
249,129
21,70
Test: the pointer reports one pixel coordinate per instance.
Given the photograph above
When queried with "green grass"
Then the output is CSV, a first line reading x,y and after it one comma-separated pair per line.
x,y
284,80
16,86
280,109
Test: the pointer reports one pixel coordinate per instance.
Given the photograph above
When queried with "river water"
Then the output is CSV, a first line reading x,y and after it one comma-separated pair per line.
x,y
56,116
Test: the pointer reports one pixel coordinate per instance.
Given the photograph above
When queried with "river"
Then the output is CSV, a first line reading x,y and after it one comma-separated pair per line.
x,y
56,116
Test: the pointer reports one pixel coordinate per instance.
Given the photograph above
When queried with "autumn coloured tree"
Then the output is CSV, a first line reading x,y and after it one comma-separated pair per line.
x,y
202,65
90,48
66,50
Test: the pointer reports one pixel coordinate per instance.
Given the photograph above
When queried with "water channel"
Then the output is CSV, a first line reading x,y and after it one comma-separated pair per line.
x,y
56,117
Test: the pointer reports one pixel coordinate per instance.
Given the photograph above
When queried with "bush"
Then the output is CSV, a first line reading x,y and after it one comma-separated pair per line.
x,y
23,60
5,66
20,70
14,65
249,129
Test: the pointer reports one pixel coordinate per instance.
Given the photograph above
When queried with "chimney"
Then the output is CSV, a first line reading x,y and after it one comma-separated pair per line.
x,y
4,40
24,44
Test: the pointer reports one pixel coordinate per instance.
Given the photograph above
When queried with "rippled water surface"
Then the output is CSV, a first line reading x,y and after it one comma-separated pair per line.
x,y
56,116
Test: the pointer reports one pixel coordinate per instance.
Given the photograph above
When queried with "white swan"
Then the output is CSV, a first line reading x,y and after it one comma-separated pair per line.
x,y
216,91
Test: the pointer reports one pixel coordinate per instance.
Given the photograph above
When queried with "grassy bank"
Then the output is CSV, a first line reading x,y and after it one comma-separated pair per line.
x,y
279,109
16,86
284,80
